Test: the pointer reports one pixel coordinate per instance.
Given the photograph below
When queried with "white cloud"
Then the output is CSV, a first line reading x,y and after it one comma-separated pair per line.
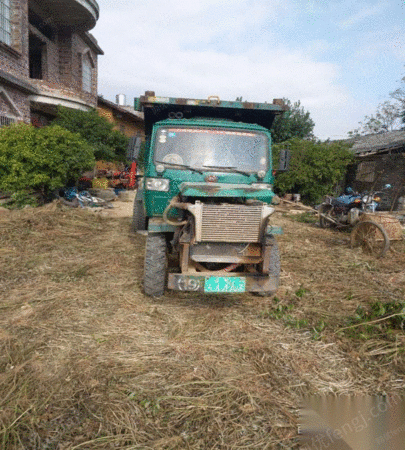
x,y
365,13
205,47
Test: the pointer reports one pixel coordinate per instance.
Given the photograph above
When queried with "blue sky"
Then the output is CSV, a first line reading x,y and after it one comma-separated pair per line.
x,y
339,58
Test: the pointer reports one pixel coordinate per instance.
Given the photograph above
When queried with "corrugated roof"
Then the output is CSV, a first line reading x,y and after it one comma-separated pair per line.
x,y
375,143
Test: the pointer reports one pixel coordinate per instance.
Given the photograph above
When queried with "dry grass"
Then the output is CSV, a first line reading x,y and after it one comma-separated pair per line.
x,y
88,362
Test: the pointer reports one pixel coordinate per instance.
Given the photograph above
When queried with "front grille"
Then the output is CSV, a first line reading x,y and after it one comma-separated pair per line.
x,y
231,223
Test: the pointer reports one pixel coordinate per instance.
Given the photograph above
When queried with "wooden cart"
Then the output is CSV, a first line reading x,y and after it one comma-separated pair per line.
x,y
375,232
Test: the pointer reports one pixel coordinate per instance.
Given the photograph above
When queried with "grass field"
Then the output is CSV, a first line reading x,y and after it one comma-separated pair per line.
x,y
88,362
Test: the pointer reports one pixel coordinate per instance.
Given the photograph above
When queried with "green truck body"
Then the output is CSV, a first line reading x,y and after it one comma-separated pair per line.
x,y
206,195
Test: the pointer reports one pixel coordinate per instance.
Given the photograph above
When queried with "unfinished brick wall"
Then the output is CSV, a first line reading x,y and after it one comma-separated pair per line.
x,y
14,103
60,68
14,58
373,172
82,50
50,59
14,61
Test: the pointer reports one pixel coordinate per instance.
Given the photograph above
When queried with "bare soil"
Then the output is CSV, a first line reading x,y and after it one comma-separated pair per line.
x,y
87,361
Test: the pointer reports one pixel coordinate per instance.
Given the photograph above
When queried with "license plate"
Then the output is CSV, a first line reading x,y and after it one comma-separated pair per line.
x,y
225,284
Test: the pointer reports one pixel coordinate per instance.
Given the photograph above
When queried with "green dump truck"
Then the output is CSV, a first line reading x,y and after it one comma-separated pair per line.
x,y
205,201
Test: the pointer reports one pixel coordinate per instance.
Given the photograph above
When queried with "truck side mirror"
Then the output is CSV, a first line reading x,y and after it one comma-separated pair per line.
x,y
134,148
285,156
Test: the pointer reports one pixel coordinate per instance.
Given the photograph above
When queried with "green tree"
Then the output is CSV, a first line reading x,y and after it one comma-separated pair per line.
x,y
41,160
386,118
108,144
294,123
399,96
315,168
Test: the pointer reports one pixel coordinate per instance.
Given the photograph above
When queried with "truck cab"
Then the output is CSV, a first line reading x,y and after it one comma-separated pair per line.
x,y
206,196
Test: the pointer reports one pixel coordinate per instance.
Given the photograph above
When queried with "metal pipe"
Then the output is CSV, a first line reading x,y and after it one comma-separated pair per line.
x,y
174,204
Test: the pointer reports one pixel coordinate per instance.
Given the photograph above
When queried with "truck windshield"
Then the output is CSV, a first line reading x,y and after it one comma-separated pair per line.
x,y
208,148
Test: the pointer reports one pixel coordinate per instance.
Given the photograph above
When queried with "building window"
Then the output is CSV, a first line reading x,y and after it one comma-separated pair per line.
x,y
5,22
37,57
5,121
87,74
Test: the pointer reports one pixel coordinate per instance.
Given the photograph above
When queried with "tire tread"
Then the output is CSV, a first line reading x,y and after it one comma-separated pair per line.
x,y
155,268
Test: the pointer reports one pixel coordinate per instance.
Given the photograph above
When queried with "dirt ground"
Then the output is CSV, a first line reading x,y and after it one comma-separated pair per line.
x,y
119,208
87,361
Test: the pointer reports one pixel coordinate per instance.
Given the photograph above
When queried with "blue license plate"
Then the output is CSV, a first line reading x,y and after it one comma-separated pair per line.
x,y
225,284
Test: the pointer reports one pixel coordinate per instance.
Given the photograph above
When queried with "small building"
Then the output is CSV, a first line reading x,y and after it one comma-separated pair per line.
x,y
47,58
380,160
125,118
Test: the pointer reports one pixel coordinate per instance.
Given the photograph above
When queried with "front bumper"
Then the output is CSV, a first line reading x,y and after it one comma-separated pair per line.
x,y
217,282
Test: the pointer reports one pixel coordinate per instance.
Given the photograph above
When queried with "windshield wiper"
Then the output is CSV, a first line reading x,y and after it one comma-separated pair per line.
x,y
234,169
180,165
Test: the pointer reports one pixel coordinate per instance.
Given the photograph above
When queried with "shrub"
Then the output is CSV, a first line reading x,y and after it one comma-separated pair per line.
x,y
108,144
315,168
41,160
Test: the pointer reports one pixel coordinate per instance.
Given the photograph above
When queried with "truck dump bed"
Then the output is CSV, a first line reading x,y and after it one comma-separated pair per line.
x,y
161,108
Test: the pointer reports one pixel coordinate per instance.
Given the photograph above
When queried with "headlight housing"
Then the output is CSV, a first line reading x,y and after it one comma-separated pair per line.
x,y
157,184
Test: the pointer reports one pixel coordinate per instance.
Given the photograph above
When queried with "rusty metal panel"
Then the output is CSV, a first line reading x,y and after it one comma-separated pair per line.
x,y
226,253
159,108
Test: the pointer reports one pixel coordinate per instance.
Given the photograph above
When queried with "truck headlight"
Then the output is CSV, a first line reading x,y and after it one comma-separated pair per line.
x,y
157,184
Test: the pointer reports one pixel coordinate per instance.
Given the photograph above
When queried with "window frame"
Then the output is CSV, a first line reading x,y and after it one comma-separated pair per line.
x,y
6,120
5,22
87,72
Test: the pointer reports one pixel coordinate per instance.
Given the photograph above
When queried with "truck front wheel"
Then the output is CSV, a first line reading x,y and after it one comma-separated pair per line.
x,y
139,220
155,270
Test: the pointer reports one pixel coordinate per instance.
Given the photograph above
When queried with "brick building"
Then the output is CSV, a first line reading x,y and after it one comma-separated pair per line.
x,y
379,160
125,118
47,58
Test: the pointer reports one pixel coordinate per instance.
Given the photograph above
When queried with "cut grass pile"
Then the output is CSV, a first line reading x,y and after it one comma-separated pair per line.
x,y
88,362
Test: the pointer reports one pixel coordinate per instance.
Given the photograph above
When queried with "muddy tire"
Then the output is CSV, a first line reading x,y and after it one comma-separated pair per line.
x,y
139,220
274,269
155,269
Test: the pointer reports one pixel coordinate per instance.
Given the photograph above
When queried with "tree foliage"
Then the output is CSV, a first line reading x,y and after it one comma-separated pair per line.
x,y
390,115
315,168
294,123
386,118
108,144
399,96
41,159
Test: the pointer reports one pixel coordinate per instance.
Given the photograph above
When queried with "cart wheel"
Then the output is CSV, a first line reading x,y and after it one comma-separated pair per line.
x,y
371,237
397,246
325,210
